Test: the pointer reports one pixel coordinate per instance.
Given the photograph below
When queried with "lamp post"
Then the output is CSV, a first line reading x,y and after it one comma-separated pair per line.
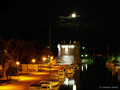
x,y
18,63
51,58
44,59
33,60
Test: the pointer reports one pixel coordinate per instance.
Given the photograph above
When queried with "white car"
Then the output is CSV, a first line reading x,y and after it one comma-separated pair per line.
x,y
45,85
49,85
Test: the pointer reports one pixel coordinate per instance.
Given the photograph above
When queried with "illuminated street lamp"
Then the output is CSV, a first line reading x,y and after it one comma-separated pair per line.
x,y
51,58
44,58
81,55
18,63
83,47
86,55
33,60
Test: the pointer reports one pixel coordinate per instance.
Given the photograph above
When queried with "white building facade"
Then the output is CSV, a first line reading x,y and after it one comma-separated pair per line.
x,y
69,53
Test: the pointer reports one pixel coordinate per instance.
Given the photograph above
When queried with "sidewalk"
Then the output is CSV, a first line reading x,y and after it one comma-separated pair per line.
x,y
28,78
25,81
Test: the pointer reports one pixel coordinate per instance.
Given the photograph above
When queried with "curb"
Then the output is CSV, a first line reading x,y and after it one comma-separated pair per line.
x,y
8,82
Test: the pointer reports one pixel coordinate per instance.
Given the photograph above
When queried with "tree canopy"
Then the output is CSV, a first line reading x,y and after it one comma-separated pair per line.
x,y
2,50
24,51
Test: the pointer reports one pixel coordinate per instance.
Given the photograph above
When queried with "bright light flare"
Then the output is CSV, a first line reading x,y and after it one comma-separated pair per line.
x,y
73,15
67,46
51,57
33,60
71,82
18,63
44,58
66,81
74,87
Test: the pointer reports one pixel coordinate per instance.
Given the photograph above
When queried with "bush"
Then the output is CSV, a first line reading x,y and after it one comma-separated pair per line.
x,y
12,71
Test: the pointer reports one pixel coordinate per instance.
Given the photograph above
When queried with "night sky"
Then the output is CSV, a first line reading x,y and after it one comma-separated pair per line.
x,y
30,20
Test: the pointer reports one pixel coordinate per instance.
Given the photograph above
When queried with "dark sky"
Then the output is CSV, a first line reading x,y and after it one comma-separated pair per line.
x,y
30,19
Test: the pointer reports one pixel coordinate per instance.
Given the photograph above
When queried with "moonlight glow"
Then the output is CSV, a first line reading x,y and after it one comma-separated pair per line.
x,y
73,15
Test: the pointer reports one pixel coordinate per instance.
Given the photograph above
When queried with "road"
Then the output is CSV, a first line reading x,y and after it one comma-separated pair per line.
x,y
25,81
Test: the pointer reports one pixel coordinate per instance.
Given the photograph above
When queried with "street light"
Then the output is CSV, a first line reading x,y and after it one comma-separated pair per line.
x,y
51,58
33,60
83,47
44,58
18,63
86,55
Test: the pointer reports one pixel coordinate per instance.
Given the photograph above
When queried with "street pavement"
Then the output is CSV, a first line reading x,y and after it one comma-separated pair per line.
x,y
26,79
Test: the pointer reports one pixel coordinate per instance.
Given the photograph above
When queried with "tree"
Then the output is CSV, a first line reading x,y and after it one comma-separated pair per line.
x,y
20,50
25,51
11,45
12,70
3,57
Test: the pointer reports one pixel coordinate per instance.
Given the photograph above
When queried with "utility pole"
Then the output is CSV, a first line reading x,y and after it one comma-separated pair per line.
x,y
50,50
49,40
107,52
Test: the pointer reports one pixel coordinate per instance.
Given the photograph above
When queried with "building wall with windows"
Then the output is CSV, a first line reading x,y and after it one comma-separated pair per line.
x,y
69,53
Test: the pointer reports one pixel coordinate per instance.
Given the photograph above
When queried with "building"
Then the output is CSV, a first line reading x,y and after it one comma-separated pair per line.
x,y
69,53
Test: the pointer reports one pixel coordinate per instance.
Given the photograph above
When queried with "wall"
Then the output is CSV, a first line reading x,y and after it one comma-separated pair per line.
x,y
69,53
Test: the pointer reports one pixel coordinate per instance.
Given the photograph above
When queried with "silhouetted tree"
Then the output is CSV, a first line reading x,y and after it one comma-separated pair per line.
x,y
20,50
12,70
3,57
24,51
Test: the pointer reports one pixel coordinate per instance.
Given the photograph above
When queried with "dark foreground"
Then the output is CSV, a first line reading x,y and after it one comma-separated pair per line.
x,y
93,76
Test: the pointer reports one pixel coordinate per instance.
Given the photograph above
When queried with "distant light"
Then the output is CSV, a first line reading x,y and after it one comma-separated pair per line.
x,y
83,47
86,66
71,82
33,60
67,46
86,55
81,55
44,58
73,15
17,63
82,68
66,81
58,46
48,55
74,87
74,42
51,57
58,49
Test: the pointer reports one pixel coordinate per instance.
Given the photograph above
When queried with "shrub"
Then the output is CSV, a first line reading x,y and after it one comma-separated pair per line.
x,y
12,71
